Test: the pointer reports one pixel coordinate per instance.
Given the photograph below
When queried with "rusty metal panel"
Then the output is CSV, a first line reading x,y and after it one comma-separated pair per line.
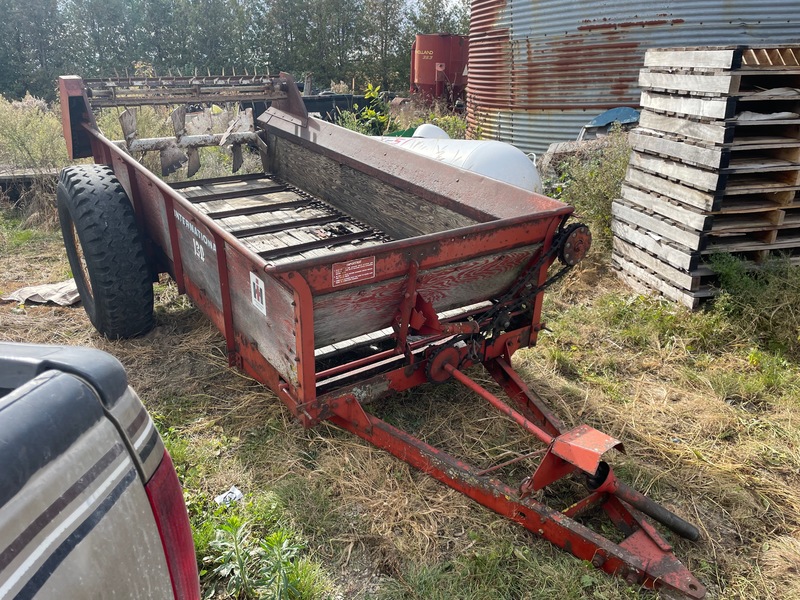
x,y
538,71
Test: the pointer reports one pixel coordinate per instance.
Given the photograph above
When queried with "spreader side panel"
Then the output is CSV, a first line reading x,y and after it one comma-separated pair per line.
x,y
343,315
263,315
397,212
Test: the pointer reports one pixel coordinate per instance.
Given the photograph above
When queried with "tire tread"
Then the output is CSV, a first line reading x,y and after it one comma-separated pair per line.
x,y
121,302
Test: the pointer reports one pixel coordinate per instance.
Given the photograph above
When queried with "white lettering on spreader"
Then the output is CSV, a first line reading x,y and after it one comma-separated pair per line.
x,y
208,243
352,271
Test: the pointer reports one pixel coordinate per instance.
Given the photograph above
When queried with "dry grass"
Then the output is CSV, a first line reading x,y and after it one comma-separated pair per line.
x,y
719,451
722,456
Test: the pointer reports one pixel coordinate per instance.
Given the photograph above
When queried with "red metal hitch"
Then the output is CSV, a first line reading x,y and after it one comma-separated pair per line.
x,y
643,557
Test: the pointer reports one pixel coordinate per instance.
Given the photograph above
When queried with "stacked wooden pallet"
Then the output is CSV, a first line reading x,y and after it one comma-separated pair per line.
x,y
715,167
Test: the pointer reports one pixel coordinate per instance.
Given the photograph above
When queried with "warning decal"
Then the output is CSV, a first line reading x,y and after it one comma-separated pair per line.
x,y
362,269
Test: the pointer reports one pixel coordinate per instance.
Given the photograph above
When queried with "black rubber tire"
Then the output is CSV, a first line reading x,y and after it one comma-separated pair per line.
x,y
105,251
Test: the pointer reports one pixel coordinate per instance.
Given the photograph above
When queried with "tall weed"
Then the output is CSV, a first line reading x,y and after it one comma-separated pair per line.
x,y
30,135
245,567
31,141
373,118
591,182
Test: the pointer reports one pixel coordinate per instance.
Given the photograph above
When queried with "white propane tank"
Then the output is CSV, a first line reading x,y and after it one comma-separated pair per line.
x,y
430,131
497,160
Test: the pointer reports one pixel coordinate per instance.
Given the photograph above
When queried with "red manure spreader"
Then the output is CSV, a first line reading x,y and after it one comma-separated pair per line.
x,y
344,271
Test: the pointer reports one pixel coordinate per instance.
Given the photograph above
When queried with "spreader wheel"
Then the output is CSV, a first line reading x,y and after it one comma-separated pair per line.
x,y
105,251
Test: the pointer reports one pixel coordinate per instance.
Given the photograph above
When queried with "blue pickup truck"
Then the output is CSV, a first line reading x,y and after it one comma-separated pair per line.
x,y
90,504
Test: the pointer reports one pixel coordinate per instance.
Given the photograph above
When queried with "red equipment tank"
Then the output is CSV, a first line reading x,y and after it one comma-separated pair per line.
x,y
438,65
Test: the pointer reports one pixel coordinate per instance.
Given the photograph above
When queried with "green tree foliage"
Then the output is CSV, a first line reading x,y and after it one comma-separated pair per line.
x,y
436,16
31,47
366,41
388,30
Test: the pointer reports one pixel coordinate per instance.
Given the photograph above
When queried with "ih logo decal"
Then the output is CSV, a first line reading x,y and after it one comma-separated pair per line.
x,y
257,293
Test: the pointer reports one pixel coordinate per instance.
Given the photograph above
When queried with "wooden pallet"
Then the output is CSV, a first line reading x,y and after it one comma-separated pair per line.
x,y
647,282
779,57
705,178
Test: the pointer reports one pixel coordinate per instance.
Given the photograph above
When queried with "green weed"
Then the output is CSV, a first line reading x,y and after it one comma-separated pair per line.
x,y
245,567
764,302
371,119
591,183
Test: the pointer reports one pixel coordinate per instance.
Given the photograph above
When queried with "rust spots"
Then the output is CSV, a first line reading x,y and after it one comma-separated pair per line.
x,y
607,25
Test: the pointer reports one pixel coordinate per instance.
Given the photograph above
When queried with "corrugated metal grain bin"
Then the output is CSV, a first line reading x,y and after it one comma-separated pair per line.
x,y
539,70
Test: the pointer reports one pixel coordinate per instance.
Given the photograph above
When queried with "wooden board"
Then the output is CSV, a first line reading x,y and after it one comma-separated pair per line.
x,y
743,204
386,208
341,315
764,142
642,259
272,218
705,108
703,179
686,58
744,244
213,206
661,226
662,206
644,282
273,333
670,253
241,185
650,141
775,56
745,223
758,185
681,193
721,84
766,164
713,133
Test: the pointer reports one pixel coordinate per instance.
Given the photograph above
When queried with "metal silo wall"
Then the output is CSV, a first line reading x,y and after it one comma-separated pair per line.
x,y
540,69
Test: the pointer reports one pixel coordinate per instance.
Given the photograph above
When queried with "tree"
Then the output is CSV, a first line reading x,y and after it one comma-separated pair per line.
x,y
388,43
433,16
30,57
102,36
369,40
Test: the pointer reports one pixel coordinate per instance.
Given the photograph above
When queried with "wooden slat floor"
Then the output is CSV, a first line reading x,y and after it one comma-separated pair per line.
x,y
277,221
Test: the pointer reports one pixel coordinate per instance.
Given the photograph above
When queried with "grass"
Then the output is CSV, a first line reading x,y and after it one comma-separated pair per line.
x,y
708,416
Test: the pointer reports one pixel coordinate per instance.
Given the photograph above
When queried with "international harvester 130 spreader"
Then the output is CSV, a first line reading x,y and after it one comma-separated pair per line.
x,y
345,271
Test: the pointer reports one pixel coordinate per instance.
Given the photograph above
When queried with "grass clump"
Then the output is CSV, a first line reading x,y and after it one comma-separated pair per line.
x,y
503,570
591,181
765,302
